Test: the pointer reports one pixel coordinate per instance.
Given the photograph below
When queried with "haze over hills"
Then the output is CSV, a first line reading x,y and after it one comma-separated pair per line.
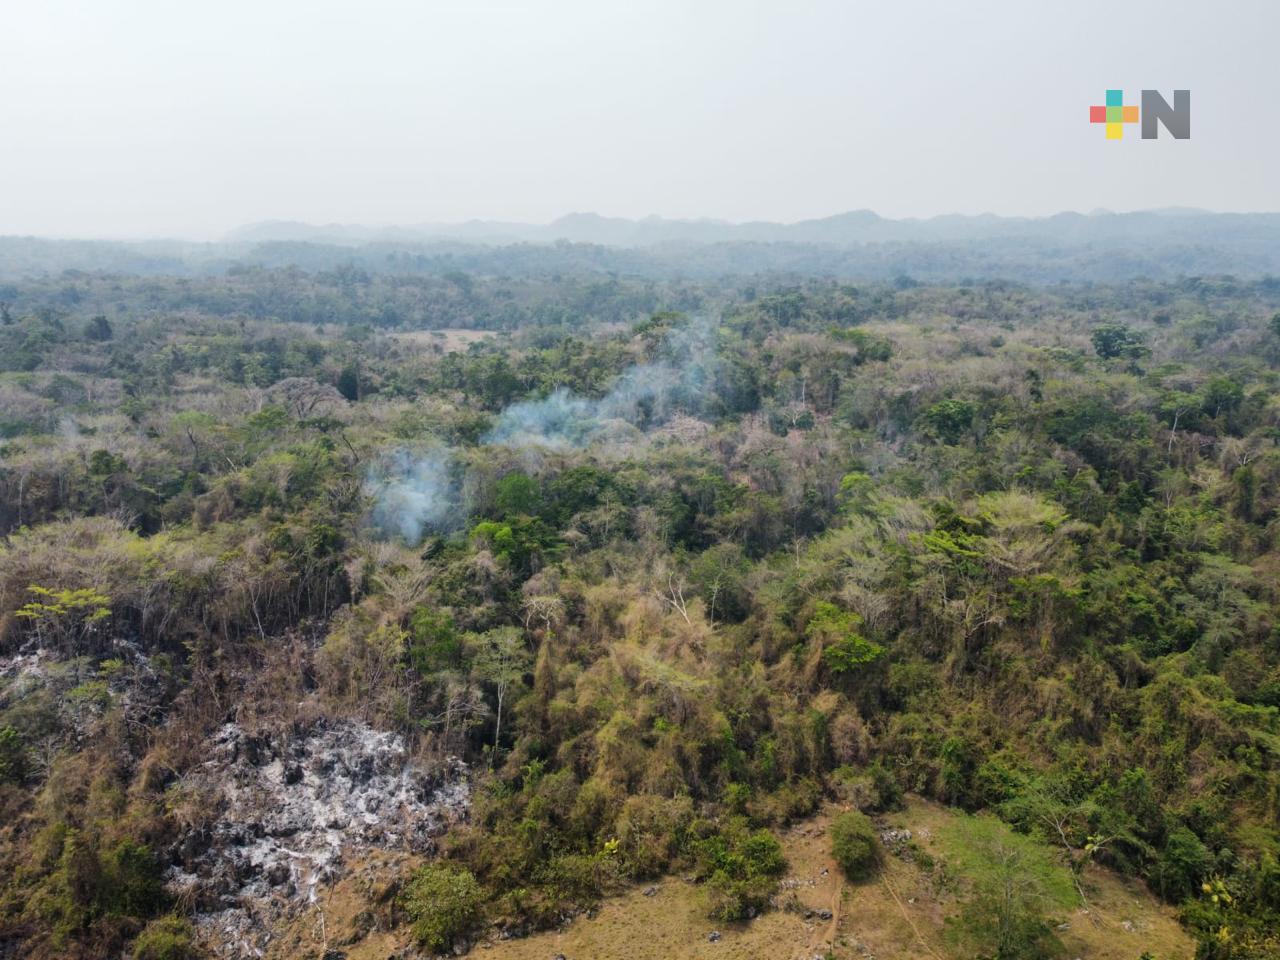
x,y
852,227
1100,247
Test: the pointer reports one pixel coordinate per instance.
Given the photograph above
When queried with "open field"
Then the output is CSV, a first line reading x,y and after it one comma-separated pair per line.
x,y
448,341
903,914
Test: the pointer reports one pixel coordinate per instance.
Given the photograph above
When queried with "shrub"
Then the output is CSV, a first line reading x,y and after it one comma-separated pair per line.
x,y
443,901
1184,861
741,868
13,756
132,880
166,938
649,831
873,790
854,845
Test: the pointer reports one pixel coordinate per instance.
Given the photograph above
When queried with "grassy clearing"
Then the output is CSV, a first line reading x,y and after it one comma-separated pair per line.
x,y
972,847
902,913
448,341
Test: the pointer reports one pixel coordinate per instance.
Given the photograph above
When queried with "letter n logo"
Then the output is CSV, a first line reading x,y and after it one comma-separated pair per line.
x,y
1156,110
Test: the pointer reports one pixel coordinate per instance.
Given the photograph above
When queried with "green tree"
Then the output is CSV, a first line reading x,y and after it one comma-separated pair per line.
x,y
501,659
166,938
1004,919
444,904
13,756
948,420
844,648
98,328
1116,341
854,844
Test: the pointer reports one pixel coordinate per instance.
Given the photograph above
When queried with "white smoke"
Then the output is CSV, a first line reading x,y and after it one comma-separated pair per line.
x,y
414,492
417,492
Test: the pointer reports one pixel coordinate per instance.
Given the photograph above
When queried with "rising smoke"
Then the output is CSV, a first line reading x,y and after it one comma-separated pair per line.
x,y
416,492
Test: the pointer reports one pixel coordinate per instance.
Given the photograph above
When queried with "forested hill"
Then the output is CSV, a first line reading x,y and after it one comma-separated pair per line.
x,y
856,246
493,596
1173,226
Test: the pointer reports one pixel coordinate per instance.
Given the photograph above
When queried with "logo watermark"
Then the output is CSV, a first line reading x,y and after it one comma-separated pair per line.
x,y
1154,113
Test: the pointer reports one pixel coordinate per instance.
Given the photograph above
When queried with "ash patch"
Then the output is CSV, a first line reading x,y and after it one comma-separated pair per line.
x,y
272,818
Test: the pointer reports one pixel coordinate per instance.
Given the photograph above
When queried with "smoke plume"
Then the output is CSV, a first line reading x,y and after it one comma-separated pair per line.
x,y
418,492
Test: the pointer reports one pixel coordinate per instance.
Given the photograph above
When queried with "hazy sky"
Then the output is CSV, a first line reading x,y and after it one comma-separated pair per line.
x,y
133,118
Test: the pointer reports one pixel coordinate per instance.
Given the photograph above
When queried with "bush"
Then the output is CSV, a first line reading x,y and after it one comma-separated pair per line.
x,y
167,938
741,867
132,880
443,901
649,831
1184,861
13,757
854,845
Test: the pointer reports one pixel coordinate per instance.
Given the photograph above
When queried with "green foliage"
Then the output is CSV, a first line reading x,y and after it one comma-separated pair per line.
x,y
516,493
1004,917
1115,340
64,616
854,845
85,881
1181,865
740,867
444,903
13,756
166,938
844,649
98,328
948,421
521,542
435,642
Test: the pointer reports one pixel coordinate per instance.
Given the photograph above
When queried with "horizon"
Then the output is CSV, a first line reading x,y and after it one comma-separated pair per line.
x,y
134,120
228,236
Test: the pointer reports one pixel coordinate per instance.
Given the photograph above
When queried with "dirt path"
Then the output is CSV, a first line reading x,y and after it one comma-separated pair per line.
x,y
824,941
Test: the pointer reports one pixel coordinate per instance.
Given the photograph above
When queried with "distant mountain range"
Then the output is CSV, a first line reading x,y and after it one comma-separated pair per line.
x,y
1174,225
861,245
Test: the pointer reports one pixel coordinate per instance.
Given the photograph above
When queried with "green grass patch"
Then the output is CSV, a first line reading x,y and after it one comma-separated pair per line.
x,y
970,844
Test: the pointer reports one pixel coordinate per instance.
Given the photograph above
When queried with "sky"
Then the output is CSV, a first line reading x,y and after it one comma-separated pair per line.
x,y
134,118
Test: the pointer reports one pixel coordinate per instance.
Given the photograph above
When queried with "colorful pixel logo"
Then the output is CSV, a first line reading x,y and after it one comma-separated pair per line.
x,y
1155,113
1115,114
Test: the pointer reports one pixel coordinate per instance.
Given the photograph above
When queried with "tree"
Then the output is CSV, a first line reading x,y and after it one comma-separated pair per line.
x,y
435,644
844,649
948,420
63,617
516,493
1222,395
443,902
501,659
1004,919
1115,340
13,756
98,328
349,384
854,844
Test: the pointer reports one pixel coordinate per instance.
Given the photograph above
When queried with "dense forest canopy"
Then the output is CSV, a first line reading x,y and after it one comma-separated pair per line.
x,y
667,557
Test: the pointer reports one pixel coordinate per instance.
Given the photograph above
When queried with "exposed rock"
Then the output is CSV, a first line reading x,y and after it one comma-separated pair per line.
x,y
714,936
